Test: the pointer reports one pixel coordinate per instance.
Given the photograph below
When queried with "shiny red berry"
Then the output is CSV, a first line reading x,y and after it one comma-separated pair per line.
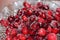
x,y
51,36
24,18
21,37
42,32
24,30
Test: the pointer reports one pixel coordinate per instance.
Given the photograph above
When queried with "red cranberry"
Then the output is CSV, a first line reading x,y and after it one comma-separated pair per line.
x,y
19,12
24,30
32,18
16,24
58,10
30,38
49,12
15,38
11,18
57,13
43,15
57,18
8,38
39,4
46,7
33,22
24,9
26,4
41,20
51,36
7,31
24,18
55,30
31,32
42,32
34,26
21,37
4,23
54,23
49,29
29,12
13,32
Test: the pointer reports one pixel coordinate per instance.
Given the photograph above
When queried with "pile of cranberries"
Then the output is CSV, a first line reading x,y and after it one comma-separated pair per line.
x,y
33,22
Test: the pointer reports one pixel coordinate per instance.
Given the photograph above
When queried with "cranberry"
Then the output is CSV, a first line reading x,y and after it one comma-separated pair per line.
x,y
41,20
33,22
29,12
31,32
43,15
32,18
11,18
51,36
21,37
15,38
39,4
16,24
24,30
57,18
49,29
34,26
55,30
7,31
13,32
4,23
8,38
46,7
50,12
58,10
54,23
30,38
26,4
24,9
24,18
42,32
19,12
